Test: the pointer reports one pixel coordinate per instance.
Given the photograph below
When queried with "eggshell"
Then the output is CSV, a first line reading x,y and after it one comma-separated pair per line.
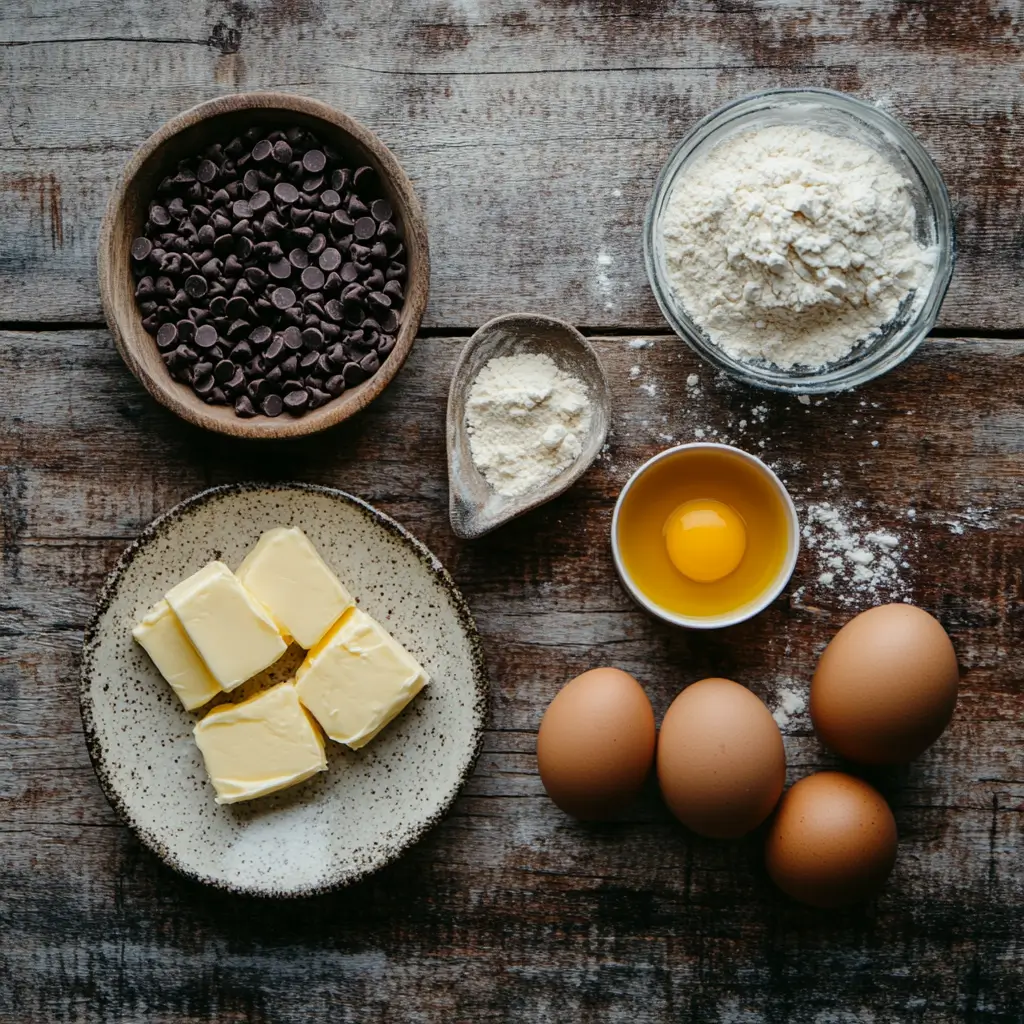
x,y
721,763
886,686
596,743
833,841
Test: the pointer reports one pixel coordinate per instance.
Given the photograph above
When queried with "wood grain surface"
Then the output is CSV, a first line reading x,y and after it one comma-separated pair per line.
x,y
510,910
533,131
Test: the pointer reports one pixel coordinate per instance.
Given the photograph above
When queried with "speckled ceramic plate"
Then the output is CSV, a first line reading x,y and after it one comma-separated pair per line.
x,y
372,804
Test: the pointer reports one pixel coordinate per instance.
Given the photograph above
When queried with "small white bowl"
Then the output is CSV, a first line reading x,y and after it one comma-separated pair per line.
x,y
751,608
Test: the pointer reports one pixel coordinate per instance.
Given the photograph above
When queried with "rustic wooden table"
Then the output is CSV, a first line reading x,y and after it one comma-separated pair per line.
x,y
533,132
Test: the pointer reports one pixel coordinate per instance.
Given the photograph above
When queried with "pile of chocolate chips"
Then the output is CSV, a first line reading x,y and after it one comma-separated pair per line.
x,y
270,273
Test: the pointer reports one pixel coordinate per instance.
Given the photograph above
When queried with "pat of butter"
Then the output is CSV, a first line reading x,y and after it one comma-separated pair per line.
x,y
264,744
231,630
162,638
357,679
287,575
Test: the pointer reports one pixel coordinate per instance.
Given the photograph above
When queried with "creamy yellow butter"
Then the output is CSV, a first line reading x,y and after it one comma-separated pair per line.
x,y
259,746
231,630
161,636
357,679
287,575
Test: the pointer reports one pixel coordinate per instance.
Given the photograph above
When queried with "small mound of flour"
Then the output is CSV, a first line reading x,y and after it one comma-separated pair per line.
x,y
527,421
791,246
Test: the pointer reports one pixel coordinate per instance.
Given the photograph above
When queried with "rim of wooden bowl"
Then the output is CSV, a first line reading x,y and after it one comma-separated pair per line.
x,y
122,218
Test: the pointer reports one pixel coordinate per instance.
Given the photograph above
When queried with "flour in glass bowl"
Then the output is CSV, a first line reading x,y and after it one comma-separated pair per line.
x,y
791,246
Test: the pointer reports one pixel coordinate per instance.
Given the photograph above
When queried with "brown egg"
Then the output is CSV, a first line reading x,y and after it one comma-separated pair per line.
x,y
833,841
596,743
721,763
886,686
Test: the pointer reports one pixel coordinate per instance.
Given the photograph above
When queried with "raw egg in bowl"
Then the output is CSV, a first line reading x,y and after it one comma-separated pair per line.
x,y
704,536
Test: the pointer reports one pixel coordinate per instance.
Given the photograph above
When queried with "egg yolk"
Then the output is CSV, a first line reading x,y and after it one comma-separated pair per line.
x,y
705,539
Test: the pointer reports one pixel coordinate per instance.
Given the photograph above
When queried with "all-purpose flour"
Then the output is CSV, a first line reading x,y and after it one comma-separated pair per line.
x,y
792,246
527,420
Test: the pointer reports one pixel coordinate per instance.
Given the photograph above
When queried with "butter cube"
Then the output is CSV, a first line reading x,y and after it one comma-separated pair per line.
x,y
357,679
287,575
264,744
161,636
233,633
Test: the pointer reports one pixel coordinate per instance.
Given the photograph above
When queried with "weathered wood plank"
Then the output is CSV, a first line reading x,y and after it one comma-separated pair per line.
x,y
533,133
510,910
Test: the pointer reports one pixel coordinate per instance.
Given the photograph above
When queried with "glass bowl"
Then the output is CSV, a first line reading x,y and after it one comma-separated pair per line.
x,y
846,117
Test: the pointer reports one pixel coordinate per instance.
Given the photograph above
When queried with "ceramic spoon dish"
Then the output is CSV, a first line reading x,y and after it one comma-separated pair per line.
x,y
475,508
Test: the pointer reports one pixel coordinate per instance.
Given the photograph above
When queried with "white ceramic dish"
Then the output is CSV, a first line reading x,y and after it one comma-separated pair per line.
x,y
371,804
751,608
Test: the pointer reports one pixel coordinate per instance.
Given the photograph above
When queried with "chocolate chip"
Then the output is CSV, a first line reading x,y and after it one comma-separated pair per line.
x,y
334,310
329,199
296,401
313,184
196,286
357,208
365,228
272,405
284,297
206,171
364,178
314,161
284,192
206,336
260,335
282,152
260,201
317,244
292,338
290,366
299,259
244,407
369,364
330,259
241,209
281,270
340,179
313,278
353,374
141,248
381,210
166,336
262,150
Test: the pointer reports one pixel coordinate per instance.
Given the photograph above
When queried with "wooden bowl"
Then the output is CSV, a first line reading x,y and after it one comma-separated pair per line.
x,y
188,134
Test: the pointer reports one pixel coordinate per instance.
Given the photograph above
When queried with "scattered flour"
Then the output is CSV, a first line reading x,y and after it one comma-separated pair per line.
x,y
851,559
634,372
791,701
640,343
527,420
792,246
693,381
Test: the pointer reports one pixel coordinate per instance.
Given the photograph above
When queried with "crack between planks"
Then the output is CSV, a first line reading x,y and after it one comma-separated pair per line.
x,y
182,41
591,330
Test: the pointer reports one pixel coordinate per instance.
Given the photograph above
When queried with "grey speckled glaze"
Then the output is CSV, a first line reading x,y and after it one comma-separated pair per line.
x,y
370,805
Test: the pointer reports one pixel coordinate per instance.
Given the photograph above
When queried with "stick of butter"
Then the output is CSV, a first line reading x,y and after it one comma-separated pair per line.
x,y
162,638
232,632
287,575
264,744
357,679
